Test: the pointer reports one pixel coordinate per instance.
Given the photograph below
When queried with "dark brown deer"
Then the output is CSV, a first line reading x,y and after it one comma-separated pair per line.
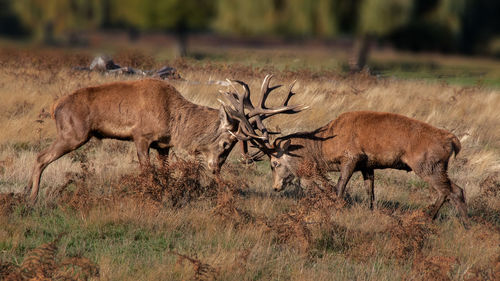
x,y
364,141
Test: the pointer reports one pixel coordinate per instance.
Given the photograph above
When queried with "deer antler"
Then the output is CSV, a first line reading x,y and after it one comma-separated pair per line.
x,y
239,100
265,112
253,120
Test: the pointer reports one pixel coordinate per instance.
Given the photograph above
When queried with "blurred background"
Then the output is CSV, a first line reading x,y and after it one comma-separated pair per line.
x,y
454,40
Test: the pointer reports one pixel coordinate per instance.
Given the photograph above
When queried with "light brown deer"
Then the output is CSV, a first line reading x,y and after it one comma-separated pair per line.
x,y
149,112
365,141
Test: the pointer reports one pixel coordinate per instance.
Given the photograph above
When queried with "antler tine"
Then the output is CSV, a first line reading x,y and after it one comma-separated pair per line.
x,y
240,136
265,90
246,97
245,130
254,157
240,106
245,86
290,93
265,82
263,112
232,86
254,112
231,98
244,135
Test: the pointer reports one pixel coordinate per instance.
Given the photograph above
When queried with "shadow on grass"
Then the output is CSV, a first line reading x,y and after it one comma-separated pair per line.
x,y
295,192
389,205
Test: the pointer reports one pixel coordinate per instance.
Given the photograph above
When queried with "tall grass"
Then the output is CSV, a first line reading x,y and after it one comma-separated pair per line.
x,y
238,229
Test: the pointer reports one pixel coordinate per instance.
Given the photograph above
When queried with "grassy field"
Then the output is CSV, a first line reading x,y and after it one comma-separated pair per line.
x,y
97,213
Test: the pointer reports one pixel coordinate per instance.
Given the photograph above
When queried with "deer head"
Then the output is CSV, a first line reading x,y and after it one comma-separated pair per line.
x,y
220,148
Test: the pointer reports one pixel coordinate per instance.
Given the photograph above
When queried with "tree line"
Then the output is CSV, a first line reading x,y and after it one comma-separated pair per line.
x,y
460,26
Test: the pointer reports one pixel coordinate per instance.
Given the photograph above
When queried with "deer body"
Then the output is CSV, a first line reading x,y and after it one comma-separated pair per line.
x,y
384,140
364,141
149,112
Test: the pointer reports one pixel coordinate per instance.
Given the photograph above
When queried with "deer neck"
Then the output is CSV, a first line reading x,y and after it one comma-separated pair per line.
x,y
199,129
308,146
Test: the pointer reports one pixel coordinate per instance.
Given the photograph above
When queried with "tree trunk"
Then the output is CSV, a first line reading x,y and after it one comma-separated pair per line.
x,y
106,13
182,42
360,53
48,33
181,31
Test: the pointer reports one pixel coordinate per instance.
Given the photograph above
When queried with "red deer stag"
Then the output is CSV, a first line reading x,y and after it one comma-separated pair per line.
x,y
365,141
150,112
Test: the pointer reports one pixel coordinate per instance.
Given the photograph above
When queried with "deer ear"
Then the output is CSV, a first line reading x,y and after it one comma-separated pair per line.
x,y
225,118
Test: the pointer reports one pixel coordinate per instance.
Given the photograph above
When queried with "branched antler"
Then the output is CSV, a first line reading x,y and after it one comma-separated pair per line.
x,y
253,119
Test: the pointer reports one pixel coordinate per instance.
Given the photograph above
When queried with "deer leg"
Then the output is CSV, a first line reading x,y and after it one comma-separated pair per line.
x,y
44,158
368,177
142,145
346,170
458,199
434,208
441,184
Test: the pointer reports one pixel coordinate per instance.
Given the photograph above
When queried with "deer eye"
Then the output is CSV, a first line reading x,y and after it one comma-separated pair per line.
x,y
225,145
276,164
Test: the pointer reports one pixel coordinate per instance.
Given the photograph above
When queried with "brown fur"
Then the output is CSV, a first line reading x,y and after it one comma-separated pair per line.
x,y
150,112
53,107
364,141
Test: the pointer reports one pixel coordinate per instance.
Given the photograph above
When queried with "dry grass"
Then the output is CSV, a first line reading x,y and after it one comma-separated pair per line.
x,y
178,224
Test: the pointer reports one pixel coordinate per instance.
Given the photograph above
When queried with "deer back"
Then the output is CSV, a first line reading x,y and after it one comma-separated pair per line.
x,y
147,107
385,138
